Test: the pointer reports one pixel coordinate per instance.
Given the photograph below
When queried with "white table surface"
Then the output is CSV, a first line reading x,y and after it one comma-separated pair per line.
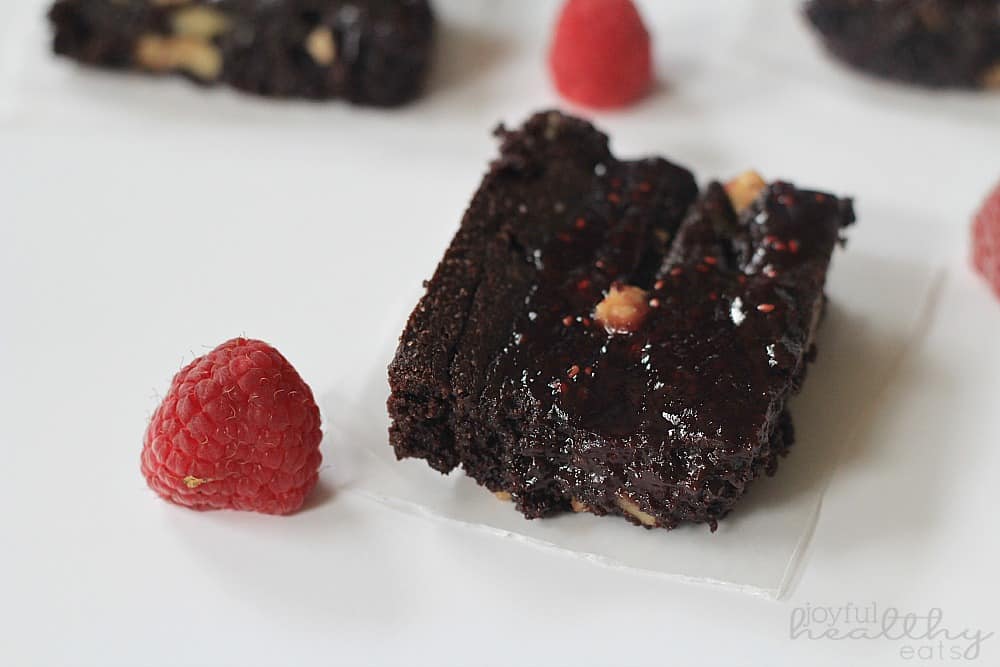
x,y
143,222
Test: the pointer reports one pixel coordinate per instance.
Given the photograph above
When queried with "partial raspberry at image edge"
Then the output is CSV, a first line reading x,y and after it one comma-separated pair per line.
x,y
986,240
238,429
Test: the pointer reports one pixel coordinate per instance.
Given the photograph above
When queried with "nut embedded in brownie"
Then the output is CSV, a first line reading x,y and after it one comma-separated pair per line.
x,y
936,43
601,338
366,51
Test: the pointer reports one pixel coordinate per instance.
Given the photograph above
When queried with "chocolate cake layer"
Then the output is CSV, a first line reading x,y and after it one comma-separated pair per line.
x,y
366,51
600,338
937,43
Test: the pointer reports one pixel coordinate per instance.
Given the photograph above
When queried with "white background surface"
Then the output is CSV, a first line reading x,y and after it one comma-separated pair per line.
x,y
143,222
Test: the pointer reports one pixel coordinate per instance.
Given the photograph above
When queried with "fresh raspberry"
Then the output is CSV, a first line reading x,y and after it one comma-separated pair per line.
x,y
238,429
986,239
600,55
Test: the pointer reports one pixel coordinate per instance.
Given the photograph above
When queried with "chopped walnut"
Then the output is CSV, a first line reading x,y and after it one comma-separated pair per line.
x,y
991,78
321,46
190,54
502,495
578,506
633,509
743,189
623,309
199,21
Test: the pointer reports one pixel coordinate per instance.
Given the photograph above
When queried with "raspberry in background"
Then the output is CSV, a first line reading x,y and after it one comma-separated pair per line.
x,y
239,429
986,239
600,55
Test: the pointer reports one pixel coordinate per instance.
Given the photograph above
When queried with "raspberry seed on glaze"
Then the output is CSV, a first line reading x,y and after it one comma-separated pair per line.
x,y
238,429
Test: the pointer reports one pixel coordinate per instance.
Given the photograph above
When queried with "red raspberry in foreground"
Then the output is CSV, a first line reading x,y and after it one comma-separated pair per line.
x,y
239,429
986,240
600,55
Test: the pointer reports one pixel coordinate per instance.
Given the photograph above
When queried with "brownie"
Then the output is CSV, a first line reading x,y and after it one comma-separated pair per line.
x,y
601,337
373,52
937,43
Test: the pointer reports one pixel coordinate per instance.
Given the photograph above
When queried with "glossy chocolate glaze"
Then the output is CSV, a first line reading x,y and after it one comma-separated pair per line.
x,y
693,395
673,418
707,363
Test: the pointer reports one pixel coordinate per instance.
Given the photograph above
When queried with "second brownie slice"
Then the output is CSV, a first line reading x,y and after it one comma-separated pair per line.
x,y
599,338
366,51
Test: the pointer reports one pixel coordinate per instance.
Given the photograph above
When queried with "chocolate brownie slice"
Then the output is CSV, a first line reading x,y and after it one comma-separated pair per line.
x,y
600,338
937,43
366,51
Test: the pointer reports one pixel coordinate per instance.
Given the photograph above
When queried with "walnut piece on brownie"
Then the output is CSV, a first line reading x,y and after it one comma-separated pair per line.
x,y
623,309
744,189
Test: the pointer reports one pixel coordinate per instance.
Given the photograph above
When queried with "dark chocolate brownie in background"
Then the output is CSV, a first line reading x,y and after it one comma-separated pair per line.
x,y
373,52
937,43
600,337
